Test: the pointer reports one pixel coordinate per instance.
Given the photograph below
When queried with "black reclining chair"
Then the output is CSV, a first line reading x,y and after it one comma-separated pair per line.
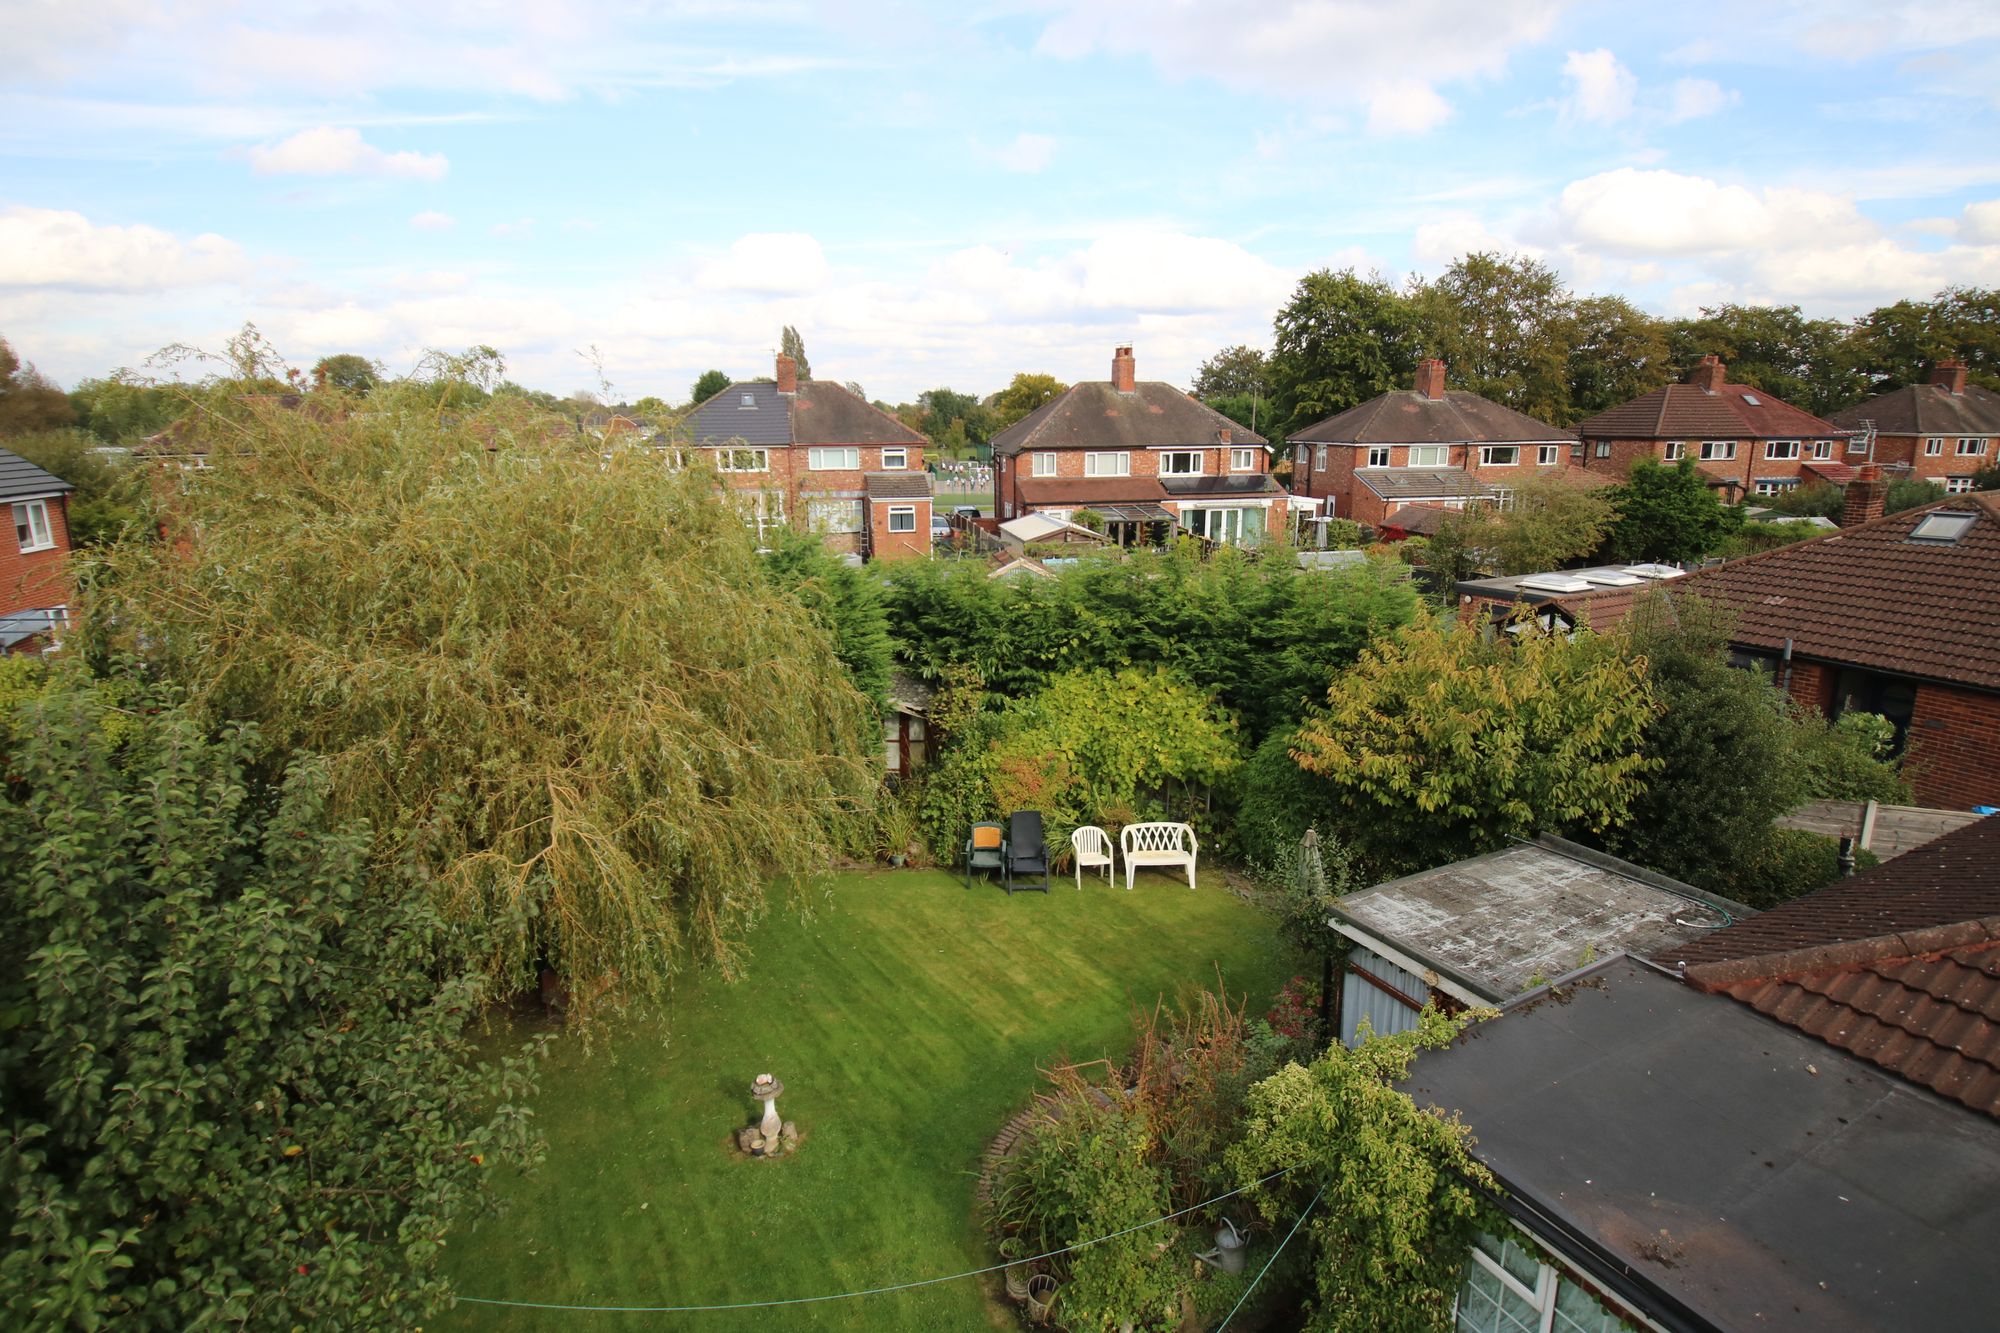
x,y
1024,853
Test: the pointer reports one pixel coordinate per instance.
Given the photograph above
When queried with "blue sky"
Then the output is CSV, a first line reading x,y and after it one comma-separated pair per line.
x,y
946,194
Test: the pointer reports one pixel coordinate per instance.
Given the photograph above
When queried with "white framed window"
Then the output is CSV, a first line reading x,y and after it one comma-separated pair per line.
x,y
1576,451
1781,448
1822,448
1430,455
1717,451
1507,1290
766,509
1243,460
31,526
1300,456
1231,526
1774,485
1499,455
1934,446
1045,465
1857,444
1107,465
1972,448
1503,497
834,515
1676,451
1319,459
902,518
1181,463
1378,456
1957,485
895,460
827,459
1548,455
742,460
1603,449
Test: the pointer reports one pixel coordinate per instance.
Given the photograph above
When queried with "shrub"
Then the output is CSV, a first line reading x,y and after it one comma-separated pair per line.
x,y
1789,862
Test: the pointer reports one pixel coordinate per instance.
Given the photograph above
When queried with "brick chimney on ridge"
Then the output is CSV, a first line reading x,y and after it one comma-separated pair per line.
x,y
1430,378
1866,495
788,374
1709,374
1950,376
1124,371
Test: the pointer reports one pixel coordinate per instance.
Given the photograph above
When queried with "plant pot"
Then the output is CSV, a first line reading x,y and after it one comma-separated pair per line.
x,y
1018,1277
1041,1295
899,860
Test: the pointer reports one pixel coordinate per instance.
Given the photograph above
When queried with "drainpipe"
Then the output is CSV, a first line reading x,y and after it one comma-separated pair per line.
x,y
1846,857
1785,668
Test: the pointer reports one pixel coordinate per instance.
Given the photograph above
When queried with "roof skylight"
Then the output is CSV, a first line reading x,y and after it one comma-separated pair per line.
x,y
1554,583
1753,400
1942,527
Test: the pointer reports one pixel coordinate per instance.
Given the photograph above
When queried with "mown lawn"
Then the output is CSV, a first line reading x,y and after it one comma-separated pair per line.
x,y
907,1020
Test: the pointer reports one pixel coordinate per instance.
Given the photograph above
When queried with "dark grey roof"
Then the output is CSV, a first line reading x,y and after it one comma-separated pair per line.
x,y
1737,1173
821,412
1093,415
1259,483
897,485
1494,921
1422,483
16,626
1406,416
21,480
1926,409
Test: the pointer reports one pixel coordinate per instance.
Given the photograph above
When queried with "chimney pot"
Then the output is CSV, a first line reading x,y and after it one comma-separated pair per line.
x,y
1950,376
1709,374
1124,371
1867,494
788,374
1430,378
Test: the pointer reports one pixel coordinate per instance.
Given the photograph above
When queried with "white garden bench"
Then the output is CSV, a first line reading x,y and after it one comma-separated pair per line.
x,y
1162,843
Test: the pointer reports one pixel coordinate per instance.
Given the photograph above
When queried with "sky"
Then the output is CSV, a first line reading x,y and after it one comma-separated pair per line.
x,y
626,195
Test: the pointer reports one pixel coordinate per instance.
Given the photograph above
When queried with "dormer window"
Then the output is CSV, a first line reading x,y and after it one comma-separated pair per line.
x,y
749,400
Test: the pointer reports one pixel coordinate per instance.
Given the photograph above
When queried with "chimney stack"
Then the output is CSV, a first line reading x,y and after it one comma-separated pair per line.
x,y
1866,495
1124,371
1223,436
788,374
1950,376
1430,378
1708,374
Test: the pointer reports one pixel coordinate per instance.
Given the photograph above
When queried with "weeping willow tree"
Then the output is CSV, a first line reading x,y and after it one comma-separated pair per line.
x,y
548,671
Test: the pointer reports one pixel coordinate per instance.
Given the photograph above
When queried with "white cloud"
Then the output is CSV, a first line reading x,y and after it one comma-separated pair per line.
x,y
518,228
1390,59
1653,213
1691,99
775,263
1027,153
327,151
46,248
1601,89
1981,222
431,220
1443,239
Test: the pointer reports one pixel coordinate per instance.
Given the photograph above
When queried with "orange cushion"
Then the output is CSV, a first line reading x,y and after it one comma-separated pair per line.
x,y
985,839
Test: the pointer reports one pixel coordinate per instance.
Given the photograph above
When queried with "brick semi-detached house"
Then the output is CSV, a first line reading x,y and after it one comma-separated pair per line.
x,y
1944,431
1144,457
812,454
1896,616
1743,440
34,588
1425,446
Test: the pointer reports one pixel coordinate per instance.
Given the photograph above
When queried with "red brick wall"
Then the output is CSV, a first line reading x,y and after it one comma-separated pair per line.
x,y
791,475
1954,749
1933,467
36,580
1745,469
1012,471
1812,684
887,545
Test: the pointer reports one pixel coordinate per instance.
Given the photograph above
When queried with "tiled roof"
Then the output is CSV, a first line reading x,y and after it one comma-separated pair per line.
x,y
1836,474
821,412
897,485
20,479
1951,880
1093,415
1406,416
1417,519
827,413
1422,483
1926,409
1687,412
1869,596
1089,490
1933,1017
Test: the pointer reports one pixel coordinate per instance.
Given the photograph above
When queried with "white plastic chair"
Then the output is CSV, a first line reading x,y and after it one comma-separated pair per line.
x,y
1092,846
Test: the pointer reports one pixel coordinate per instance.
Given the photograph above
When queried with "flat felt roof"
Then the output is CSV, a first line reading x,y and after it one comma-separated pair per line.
x,y
1751,1173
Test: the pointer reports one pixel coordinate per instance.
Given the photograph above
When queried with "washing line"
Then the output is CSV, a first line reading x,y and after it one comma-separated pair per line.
x,y
879,1291
1268,1262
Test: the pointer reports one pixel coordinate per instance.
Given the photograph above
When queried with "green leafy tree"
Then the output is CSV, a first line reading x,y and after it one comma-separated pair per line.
x,y
846,600
1666,513
348,373
1986,479
711,383
238,1091
1548,524
29,402
1504,327
106,501
1248,410
1340,340
1817,501
1909,493
944,409
792,345
604,733
1755,536
1806,362
1394,1190
1899,344
1444,745
1233,372
1023,395
122,409
1616,353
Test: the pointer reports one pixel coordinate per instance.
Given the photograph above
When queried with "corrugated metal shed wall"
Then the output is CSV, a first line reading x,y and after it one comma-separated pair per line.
x,y
1384,1012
